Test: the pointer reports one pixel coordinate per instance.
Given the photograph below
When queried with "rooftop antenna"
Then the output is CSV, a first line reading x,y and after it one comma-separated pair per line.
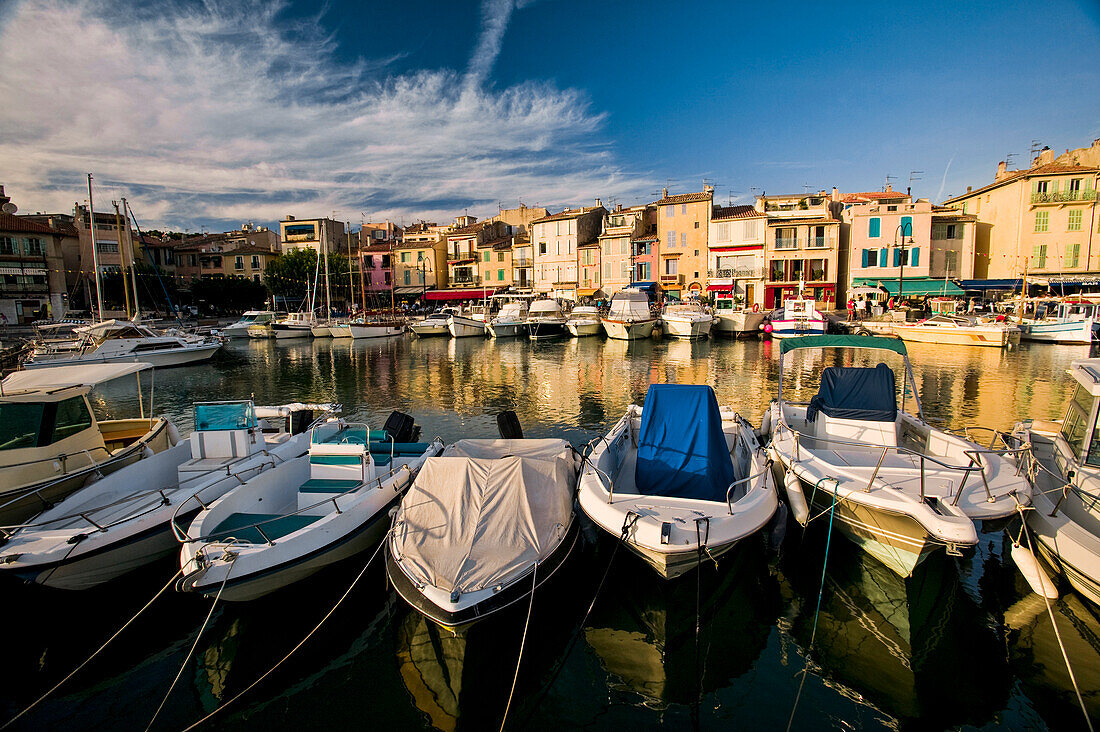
x,y
915,175
1008,159
805,187
888,179
1036,146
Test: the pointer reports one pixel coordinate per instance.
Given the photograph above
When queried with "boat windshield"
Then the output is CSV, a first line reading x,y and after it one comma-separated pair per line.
x,y
723,304
224,416
1077,430
20,424
339,433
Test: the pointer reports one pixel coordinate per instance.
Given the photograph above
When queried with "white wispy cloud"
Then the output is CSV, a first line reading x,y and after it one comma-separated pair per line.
x,y
226,112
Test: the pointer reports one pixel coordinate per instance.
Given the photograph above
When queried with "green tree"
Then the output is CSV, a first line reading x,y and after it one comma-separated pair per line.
x,y
232,293
291,275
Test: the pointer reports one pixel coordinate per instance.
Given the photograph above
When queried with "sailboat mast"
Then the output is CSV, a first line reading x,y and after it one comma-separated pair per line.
x,y
328,299
351,276
95,255
133,263
122,256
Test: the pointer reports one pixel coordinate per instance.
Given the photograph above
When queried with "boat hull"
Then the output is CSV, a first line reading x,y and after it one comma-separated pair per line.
x,y
739,323
545,329
582,329
514,329
1074,332
427,330
159,359
629,330
321,331
283,332
375,330
465,327
953,336
796,328
687,328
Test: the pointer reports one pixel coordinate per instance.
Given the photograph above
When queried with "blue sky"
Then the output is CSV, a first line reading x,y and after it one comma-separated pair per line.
x,y
214,113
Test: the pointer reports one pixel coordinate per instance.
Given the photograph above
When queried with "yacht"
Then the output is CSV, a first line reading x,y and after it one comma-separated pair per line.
x,y
736,321
686,320
678,480
435,324
483,526
511,321
545,320
584,320
250,318
629,317
381,328
796,318
123,341
898,487
51,443
957,330
294,325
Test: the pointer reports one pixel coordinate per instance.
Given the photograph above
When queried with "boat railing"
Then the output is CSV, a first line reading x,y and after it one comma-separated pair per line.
x,y
975,455
36,493
747,479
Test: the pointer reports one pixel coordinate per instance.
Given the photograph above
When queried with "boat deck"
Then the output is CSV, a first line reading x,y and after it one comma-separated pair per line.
x,y
240,526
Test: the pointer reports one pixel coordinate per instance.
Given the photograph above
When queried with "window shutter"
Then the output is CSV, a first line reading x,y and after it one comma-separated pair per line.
x,y
874,228
864,263
1034,187
882,260
907,220
897,257
914,257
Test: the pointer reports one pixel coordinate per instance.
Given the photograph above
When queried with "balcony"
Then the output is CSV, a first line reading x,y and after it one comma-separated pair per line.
x,y
522,262
786,242
672,279
817,242
26,288
465,280
740,273
1064,196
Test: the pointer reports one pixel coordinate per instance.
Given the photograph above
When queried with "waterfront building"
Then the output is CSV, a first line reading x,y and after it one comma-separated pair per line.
x,y
494,258
557,240
683,222
421,259
522,257
32,277
618,242
1041,222
219,255
467,243
114,250
802,248
310,233
735,258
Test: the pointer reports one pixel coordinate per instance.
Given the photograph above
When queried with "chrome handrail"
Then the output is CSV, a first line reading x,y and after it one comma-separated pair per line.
x,y
734,484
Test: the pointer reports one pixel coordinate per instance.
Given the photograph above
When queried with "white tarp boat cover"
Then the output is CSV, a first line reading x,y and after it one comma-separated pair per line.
x,y
629,304
484,511
60,377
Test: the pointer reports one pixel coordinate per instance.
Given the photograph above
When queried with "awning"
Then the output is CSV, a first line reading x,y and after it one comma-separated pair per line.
x,y
921,287
588,291
1080,280
865,290
468,294
412,290
991,284
720,288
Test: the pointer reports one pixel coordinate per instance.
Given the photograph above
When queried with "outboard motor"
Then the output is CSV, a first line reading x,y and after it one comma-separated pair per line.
x,y
402,427
508,424
299,422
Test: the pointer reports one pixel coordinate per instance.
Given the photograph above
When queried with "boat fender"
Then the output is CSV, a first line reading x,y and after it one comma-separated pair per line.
x,y
767,327
146,451
1033,572
173,434
766,423
799,508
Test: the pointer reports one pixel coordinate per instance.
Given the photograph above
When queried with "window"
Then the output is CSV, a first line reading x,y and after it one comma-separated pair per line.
x,y
671,239
776,271
696,224
1039,256
951,261
874,228
7,245
486,257
670,211
1074,185
20,423
542,247
870,257
1042,186
405,257
255,278
817,241
683,240
683,209
387,278
408,277
891,208
72,418
897,257
1075,427
953,232
500,256
194,261
1042,218
107,247
500,275
255,261
818,270
643,271
906,226
386,263
370,261
785,238
798,269
1073,254
671,266
723,232
378,234
238,262
749,229
696,254
34,247
1074,221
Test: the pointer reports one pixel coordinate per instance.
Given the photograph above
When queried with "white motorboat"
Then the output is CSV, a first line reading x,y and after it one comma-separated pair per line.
x,y
466,326
545,320
123,521
1071,322
735,321
302,515
340,329
679,480
294,325
511,321
686,320
321,330
584,320
249,319
483,525
51,443
436,324
1065,470
122,341
957,330
382,328
899,488
796,318
629,317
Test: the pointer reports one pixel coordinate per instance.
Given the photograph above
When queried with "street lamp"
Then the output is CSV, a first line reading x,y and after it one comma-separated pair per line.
x,y
423,266
902,227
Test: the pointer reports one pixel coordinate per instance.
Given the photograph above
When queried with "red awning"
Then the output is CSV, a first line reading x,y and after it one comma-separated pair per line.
x,y
722,288
471,294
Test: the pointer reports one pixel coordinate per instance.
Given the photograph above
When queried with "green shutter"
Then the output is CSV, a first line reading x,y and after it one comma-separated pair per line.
x,y
874,228
882,257
914,257
907,220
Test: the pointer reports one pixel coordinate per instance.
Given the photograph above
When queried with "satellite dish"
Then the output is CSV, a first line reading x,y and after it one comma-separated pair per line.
x,y
9,208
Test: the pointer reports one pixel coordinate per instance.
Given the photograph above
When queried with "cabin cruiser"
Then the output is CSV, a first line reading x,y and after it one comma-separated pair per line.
x,y
1068,321
123,341
796,318
629,317
470,323
436,324
294,325
545,320
250,318
686,320
899,488
678,480
483,526
51,443
957,330
735,321
123,520
584,320
511,321
287,523
1065,473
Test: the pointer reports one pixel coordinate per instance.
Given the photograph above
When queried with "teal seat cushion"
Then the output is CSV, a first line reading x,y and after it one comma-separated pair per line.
x,y
242,526
399,448
327,485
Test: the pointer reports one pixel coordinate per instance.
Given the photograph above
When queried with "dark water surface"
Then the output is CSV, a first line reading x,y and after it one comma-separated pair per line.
x,y
960,644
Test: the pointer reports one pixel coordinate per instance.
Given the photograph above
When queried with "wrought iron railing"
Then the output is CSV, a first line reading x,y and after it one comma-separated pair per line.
x,y
1064,196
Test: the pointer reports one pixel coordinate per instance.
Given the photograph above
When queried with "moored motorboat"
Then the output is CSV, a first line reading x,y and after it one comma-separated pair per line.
x,y
435,324
1071,322
382,328
584,320
957,330
123,521
678,480
735,321
796,318
483,526
51,442
897,486
511,321
686,320
294,325
629,317
123,341
465,326
545,320
302,515
240,329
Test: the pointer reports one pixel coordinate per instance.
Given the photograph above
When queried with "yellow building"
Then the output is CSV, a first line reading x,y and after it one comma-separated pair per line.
x,y
1040,222
421,258
683,226
802,248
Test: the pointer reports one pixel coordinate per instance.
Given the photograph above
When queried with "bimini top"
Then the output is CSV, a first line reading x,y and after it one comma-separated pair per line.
x,y
843,341
482,513
850,392
63,377
682,450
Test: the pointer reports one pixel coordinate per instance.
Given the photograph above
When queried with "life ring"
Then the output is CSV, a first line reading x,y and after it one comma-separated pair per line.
x,y
756,307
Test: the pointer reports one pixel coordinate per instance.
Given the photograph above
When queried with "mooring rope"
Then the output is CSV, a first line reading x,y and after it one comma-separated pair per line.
x,y
1054,624
95,653
301,643
522,643
817,610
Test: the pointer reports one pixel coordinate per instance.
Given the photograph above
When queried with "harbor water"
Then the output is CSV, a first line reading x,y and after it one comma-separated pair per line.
x,y
760,640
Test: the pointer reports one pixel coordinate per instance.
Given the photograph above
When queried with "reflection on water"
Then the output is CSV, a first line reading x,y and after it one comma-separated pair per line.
x,y
929,652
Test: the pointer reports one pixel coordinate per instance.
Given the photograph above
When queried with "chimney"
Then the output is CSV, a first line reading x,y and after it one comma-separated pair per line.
x,y
1046,156
836,194
969,188
598,203
1002,170
889,188
909,191
664,193
289,217
708,188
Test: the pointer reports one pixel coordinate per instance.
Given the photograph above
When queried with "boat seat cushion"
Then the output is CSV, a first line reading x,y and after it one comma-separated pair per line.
x,y
871,432
327,485
856,393
241,526
220,444
399,448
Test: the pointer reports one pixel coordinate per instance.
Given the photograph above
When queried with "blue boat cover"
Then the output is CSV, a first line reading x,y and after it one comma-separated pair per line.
x,y
849,392
681,448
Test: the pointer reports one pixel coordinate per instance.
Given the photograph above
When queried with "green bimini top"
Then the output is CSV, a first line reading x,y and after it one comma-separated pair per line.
x,y
843,341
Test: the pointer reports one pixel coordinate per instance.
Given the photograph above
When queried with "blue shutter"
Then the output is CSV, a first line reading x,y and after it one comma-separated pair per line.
x,y
907,220
874,228
897,257
864,262
914,257
882,261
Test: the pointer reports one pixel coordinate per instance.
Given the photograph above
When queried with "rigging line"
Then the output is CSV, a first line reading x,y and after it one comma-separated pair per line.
x,y
817,610
301,643
522,643
72,673
1058,635
198,637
